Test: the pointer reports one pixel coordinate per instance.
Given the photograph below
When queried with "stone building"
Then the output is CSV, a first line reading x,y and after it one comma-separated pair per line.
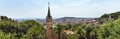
x,y
48,24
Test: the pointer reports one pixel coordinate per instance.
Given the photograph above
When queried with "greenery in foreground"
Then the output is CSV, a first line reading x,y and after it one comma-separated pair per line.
x,y
31,29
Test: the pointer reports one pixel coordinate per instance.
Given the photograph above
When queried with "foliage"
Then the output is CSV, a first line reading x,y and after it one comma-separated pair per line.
x,y
5,18
17,30
110,30
30,29
114,16
36,32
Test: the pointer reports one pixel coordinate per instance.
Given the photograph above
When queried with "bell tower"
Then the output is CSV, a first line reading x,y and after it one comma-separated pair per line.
x,y
48,24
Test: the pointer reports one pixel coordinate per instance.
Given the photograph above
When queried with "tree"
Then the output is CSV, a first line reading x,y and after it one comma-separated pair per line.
x,y
110,30
35,32
5,18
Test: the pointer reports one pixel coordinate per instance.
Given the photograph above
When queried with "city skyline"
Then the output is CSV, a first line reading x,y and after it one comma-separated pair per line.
x,y
59,8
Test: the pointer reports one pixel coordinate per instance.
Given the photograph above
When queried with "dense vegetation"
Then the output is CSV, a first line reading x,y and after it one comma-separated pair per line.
x,y
28,29
31,29
114,16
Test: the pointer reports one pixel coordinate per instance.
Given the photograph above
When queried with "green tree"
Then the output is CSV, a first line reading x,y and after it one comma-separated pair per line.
x,y
35,32
110,30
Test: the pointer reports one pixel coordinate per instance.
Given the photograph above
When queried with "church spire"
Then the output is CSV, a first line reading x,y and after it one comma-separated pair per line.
x,y
49,15
48,24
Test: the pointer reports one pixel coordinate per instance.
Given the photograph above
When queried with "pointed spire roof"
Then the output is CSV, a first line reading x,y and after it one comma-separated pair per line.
x,y
49,15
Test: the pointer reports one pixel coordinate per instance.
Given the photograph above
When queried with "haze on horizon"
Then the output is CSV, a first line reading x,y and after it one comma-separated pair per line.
x,y
59,8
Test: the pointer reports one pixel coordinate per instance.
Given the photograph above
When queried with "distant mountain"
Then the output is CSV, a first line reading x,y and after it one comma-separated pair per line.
x,y
63,20
114,16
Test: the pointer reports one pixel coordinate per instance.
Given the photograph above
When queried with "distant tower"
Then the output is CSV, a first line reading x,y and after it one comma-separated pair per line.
x,y
109,17
0,18
48,24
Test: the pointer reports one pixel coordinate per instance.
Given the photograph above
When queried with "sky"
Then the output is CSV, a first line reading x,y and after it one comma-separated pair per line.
x,y
59,8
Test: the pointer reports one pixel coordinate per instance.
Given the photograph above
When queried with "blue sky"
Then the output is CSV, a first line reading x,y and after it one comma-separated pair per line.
x,y
59,8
